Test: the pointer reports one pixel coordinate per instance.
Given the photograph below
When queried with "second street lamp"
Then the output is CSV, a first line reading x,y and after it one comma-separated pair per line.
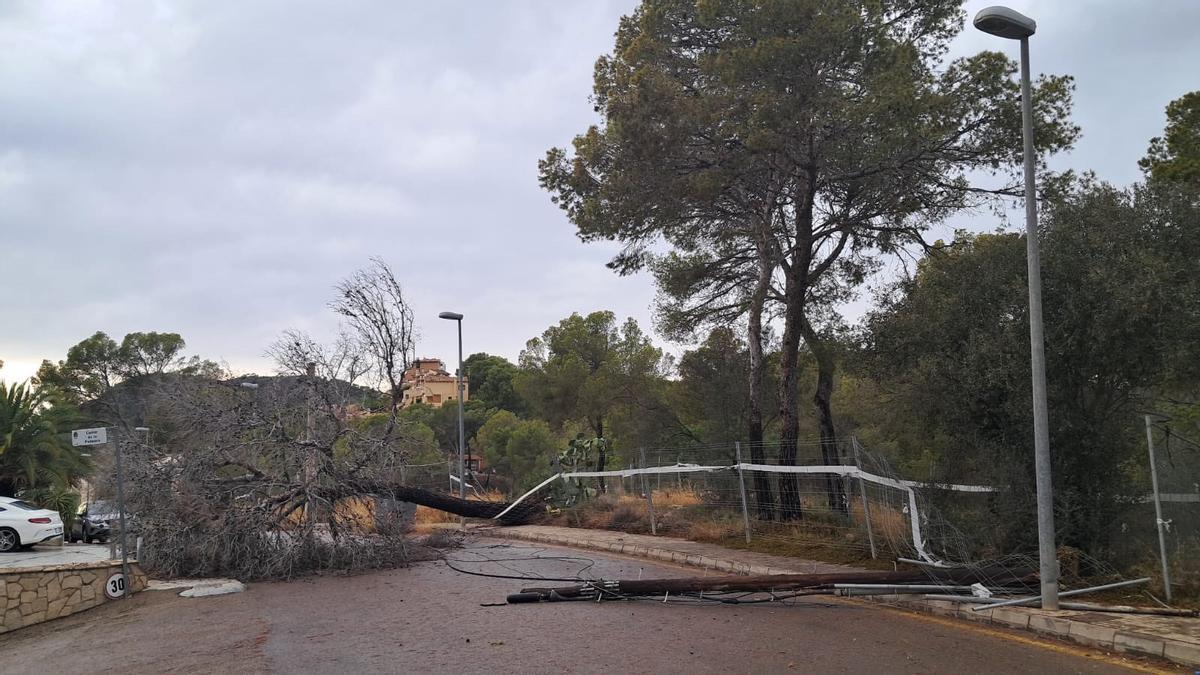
x,y
1012,25
462,476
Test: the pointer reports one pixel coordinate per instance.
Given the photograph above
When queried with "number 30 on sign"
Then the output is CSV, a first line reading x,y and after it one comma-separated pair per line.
x,y
115,586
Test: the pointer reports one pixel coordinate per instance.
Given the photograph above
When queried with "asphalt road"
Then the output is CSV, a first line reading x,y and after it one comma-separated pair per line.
x,y
429,618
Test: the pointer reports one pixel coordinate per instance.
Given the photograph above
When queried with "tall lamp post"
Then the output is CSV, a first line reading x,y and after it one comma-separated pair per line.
x,y
1012,25
462,476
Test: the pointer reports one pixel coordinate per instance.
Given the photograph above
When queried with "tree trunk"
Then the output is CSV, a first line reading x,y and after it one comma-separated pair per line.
x,y
764,500
524,512
822,403
795,295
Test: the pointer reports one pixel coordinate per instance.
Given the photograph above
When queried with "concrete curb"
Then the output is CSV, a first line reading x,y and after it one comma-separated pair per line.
x,y
1054,624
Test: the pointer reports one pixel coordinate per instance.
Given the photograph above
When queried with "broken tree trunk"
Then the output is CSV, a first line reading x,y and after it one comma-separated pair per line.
x,y
521,514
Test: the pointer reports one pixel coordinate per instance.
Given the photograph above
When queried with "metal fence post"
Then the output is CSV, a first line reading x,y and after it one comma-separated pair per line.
x,y
737,452
862,490
649,496
124,530
1158,519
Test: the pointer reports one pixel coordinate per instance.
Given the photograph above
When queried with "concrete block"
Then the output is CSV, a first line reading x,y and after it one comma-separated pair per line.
x,y
1010,617
966,612
1182,652
1138,644
1053,625
1091,634
942,607
661,553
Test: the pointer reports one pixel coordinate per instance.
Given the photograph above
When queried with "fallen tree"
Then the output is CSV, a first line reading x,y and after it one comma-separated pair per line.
x,y
268,478
525,512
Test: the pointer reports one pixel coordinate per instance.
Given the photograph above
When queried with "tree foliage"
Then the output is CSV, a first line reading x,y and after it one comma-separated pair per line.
x,y
519,450
774,145
491,382
98,363
584,367
35,450
1122,324
1175,156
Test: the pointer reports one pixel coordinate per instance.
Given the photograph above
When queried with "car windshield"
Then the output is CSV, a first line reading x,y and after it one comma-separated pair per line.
x,y
24,505
101,509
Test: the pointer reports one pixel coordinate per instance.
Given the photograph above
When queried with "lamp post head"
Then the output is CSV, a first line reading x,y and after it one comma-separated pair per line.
x,y
1004,22
452,316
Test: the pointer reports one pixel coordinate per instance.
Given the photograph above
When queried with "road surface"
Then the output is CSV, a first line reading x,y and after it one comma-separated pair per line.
x,y
429,618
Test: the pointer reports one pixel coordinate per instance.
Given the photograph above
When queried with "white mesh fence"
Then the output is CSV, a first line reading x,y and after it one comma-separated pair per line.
x,y
812,496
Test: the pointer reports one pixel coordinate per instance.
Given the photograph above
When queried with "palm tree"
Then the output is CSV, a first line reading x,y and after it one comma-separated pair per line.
x,y
34,450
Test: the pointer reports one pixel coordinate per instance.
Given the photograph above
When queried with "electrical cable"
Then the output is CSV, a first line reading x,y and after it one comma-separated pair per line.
x,y
588,563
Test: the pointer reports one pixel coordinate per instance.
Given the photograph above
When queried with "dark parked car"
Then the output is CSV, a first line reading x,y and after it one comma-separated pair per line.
x,y
96,523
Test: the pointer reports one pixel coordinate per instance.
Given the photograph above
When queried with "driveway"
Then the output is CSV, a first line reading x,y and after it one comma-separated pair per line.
x,y
39,556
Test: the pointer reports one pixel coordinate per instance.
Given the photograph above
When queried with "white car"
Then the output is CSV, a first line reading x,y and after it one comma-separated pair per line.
x,y
23,524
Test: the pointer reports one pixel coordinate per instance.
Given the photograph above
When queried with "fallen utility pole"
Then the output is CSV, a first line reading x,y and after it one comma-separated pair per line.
x,y
764,583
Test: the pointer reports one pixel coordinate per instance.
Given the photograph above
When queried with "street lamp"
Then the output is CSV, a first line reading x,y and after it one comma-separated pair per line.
x,y
462,477
1012,25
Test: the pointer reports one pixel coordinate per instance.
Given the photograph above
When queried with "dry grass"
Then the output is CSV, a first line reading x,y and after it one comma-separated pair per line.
x,y
714,530
356,514
670,498
682,512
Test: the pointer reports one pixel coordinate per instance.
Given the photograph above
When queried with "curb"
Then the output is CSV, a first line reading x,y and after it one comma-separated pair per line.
x,y
1038,621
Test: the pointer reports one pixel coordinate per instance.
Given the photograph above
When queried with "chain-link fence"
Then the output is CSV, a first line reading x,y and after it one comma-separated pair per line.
x,y
833,501
844,503
1158,533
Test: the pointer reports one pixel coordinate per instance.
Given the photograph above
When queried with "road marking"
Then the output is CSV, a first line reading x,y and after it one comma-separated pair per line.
x,y
1080,651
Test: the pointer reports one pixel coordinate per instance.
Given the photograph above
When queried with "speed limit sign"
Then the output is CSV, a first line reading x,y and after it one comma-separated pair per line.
x,y
115,586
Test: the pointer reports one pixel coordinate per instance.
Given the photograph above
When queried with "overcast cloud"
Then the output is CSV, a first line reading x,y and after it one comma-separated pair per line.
x,y
213,169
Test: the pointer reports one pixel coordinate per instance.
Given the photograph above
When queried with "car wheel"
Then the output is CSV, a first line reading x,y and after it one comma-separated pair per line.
x,y
9,540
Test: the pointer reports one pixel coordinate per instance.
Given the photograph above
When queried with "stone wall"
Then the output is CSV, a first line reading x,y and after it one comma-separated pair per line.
x,y
30,595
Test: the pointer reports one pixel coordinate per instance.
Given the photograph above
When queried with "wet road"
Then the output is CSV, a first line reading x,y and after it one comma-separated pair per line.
x,y
429,618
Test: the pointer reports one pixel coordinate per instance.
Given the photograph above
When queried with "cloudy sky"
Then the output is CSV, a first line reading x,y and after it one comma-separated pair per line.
x,y
214,168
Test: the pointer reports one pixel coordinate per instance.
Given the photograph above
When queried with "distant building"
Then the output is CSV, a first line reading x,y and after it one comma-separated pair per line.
x,y
427,381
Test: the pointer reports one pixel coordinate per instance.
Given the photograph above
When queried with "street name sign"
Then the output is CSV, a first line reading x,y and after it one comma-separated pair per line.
x,y
94,436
